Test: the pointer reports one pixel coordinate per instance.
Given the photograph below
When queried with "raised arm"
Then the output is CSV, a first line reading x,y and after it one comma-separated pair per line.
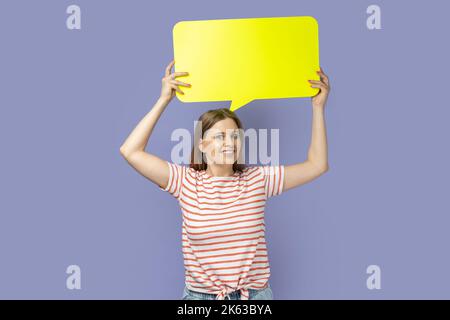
x,y
133,149
317,162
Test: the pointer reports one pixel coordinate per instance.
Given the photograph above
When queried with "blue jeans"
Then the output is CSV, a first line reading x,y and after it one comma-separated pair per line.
x,y
263,294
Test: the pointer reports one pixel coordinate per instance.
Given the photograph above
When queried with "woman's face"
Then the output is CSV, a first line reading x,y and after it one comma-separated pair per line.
x,y
221,144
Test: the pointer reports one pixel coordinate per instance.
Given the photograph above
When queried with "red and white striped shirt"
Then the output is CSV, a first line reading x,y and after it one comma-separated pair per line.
x,y
223,230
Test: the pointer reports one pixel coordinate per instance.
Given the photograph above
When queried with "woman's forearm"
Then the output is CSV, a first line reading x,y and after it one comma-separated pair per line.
x,y
138,138
318,150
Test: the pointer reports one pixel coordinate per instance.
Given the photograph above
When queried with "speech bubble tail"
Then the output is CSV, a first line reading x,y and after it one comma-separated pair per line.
x,y
239,103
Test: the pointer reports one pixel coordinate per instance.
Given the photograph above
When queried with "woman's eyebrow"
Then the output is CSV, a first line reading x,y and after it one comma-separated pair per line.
x,y
230,130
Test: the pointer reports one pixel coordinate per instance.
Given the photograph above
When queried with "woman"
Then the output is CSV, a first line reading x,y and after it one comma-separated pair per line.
x,y
222,200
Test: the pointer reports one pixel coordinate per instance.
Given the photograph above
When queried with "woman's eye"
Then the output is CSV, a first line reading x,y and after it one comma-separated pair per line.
x,y
221,136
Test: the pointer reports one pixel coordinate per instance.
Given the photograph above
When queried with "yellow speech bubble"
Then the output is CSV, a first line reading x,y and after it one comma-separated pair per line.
x,y
246,59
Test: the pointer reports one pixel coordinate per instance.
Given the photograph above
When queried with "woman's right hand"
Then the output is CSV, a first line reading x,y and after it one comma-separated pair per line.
x,y
170,85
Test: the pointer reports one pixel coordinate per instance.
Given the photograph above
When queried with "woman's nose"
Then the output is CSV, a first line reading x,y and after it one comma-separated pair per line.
x,y
229,142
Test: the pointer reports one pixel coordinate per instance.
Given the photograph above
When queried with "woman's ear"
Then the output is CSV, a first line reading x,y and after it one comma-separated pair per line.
x,y
203,145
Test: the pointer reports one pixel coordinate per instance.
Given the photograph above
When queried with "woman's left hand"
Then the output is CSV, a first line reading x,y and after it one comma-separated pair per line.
x,y
320,99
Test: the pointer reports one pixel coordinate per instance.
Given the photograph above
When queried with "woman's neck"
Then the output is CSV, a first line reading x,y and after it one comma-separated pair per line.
x,y
220,170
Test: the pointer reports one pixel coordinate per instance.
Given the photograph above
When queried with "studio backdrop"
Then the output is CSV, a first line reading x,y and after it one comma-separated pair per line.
x,y
77,222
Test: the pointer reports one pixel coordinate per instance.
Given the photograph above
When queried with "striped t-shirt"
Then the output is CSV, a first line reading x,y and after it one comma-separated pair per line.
x,y
223,230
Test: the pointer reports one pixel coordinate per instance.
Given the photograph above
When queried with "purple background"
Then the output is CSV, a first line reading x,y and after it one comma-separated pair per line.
x,y
70,98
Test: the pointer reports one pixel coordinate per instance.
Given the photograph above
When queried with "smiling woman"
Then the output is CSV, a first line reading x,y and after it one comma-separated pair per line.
x,y
223,201
217,146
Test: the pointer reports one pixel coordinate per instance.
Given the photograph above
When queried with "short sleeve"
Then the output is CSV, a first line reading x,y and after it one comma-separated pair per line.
x,y
177,175
273,180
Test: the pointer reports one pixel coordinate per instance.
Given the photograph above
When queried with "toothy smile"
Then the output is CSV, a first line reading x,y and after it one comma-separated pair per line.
x,y
228,151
